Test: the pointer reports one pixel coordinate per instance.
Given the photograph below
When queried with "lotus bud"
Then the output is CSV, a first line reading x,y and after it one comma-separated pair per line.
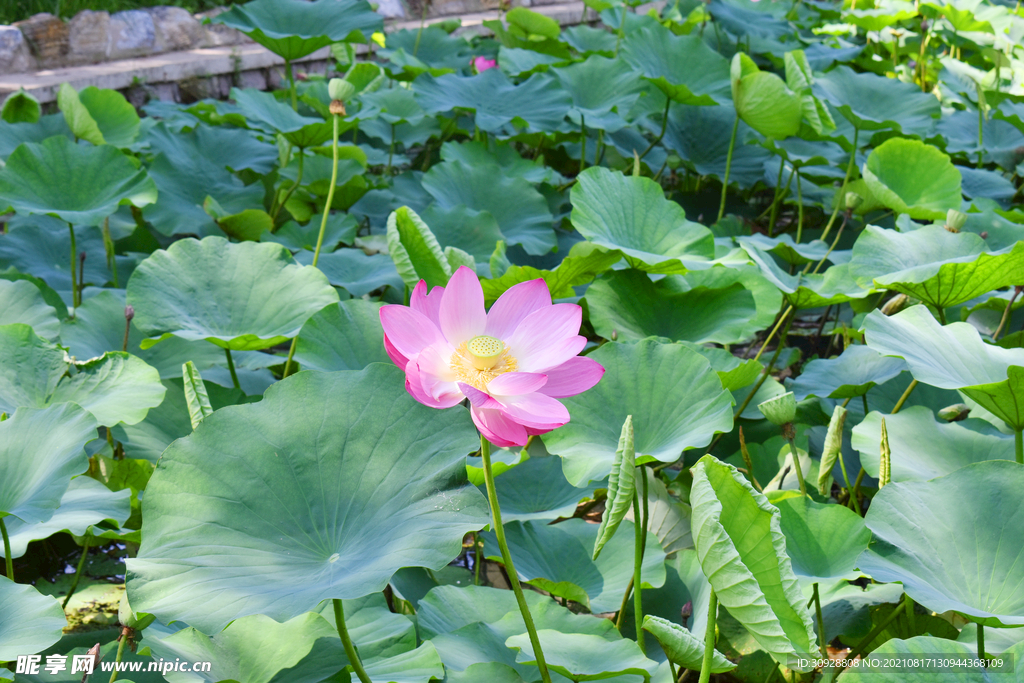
x,y
853,200
780,410
129,312
895,304
955,220
833,448
885,464
955,412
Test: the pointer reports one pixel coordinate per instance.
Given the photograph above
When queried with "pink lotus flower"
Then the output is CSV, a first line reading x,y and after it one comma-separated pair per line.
x,y
483,64
512,363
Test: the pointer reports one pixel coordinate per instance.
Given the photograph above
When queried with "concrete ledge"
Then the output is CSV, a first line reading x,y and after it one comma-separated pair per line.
x,y
235,63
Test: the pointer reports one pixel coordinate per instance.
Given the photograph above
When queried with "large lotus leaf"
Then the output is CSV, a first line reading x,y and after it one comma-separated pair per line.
x,y
538,104
537,489
785,248
602,91
294,28
700,135
116,387
502,156
42,246
572,573
40,450
23,302
474,232
356,271
684,583
947,660
763,100
911,177
31,622
934,265
682,646
668,517
808,290
978,535
86,502
14,134
629,304
346,336
950,445
277,117
521,211
675,397
581,657
632,215
684,68
323,489
742,550
823,541
432,45
79,184
852,373
115,117
872,102
244,296
953,357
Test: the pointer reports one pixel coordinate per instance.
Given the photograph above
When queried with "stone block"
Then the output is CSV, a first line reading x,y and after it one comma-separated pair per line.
x,y
47,36
391,9
441,8
176,29
219,34
89,37
15,56
132,34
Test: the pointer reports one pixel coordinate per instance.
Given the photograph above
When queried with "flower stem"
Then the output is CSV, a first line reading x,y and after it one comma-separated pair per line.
x,y
506,556
231,369
821,623
323,229
108,245
621,614
7,550
664,125
868,639
583,143
728,165
709,639
346,640
841,199
78,573
796,465
1018,445
981,641
291,83
799,209
76,295
291,190
478,557
904,397
122,641
638,560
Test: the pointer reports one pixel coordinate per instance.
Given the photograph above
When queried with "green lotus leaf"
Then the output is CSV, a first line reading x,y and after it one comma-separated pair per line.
x,y
852,373
98,327
356,271
911,177
86,503
676,400
872,102
399,465
22,302
983,584
785,248
734,372
80,121
581,657
537,489
934,265
50,296
501,158
76,183
808,290
573,574
621,487
742,550
953,662
877,19
537,104
682,647
951,445
42,247
277,117
493,672
99,116
115,387
21,107
433,46
32,622
294,29
823,541
346,336
42,449
668,517
584,262
341,228
521,211
763,100
684,68
182,292
415,250
475,232
602,91
952,357
628,304
196,397
632,215
701,135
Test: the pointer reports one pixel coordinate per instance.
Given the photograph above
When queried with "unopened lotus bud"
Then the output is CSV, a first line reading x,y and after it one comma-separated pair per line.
x,y
955,412
832,450
340,89
129,313
780,410
895,304
853,200
955,220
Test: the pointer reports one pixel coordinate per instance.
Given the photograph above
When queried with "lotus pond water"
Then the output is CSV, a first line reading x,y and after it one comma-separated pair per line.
x,y
682,344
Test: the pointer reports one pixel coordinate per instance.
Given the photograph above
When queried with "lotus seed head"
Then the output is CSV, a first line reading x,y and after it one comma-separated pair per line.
x,y
485,351
955,220
853,200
